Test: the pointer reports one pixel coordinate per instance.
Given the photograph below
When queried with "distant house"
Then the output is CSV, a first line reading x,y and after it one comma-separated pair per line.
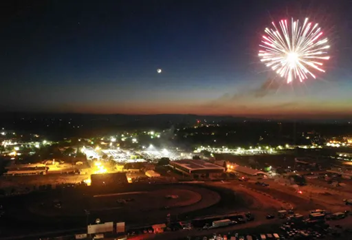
x,y
138,166
27,171
151,173
133,167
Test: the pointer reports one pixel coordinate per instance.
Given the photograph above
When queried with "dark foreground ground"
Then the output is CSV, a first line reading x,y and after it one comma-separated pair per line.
x,y
35,212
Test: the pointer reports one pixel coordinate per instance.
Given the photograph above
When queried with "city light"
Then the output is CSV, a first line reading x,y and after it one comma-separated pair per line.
x,y
236,151
88,182
14,153
101,168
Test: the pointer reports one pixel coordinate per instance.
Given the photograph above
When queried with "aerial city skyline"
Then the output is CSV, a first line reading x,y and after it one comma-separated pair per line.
x,y
146,59
176,119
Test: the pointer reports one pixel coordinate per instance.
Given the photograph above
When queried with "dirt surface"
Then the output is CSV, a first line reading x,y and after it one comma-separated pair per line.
x,y
143,200
37,211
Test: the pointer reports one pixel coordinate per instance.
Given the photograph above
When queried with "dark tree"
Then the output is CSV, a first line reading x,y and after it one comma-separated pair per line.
x,y
164,161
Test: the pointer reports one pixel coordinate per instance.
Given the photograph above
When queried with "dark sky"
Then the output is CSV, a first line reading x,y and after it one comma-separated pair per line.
x,y
102,57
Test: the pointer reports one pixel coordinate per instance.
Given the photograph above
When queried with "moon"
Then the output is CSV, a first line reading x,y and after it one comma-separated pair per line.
x,y
159,70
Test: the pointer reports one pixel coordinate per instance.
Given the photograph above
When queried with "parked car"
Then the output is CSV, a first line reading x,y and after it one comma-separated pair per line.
x,y
269,216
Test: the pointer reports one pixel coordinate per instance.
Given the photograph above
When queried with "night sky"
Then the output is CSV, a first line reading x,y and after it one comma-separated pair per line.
x,y
102,57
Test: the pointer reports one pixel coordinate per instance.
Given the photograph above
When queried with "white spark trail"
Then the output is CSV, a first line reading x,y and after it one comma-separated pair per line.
x,y
294,50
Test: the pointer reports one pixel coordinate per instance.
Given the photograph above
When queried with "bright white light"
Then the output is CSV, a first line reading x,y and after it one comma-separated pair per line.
x,y
113,139
134,140
14,153
159,70
44,142
292,59
16,148
3,133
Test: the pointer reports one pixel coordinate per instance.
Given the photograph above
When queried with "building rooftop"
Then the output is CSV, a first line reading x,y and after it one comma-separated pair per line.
x,y
196,165
244,169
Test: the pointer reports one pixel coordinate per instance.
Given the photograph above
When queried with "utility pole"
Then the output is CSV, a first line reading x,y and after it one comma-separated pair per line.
x,y
87,218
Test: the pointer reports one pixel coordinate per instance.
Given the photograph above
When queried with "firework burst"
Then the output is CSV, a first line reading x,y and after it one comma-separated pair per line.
x,y
294,50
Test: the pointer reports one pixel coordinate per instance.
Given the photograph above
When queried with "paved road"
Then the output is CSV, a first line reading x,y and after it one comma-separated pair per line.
x,y
195,232
256,199
260,206
312,196
342,190
47,234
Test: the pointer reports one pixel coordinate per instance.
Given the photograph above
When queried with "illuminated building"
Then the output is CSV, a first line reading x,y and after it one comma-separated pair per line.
x,y
197,168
